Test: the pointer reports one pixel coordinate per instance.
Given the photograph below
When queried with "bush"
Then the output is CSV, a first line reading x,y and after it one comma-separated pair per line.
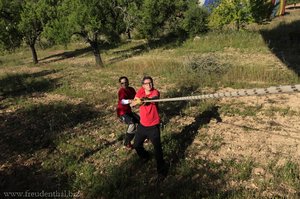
x,y
261,10
195,19
237,12
206,65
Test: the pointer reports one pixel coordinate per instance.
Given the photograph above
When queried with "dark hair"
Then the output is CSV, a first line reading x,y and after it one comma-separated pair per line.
x,y
147,77
123,77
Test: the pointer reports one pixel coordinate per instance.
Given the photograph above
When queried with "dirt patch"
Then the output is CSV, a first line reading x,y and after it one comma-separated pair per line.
x,y
282,100
263,137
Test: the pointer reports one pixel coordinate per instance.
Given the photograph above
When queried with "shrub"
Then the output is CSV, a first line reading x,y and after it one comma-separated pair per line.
x,y
195,19
237,12
261,10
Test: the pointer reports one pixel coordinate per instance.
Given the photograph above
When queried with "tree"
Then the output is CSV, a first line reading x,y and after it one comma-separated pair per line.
x,y
129,10
10,37
178,17
195,19
23,20
237,12
153,16
93,20
261,10
33,18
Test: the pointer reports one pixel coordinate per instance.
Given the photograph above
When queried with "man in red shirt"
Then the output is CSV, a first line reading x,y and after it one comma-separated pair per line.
x,y
124,112
149,125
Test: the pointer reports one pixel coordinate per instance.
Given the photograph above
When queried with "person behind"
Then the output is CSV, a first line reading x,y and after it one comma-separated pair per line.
x,y
124,112
149,127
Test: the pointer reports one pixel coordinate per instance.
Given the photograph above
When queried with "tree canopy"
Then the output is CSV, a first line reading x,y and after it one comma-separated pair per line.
x,y
95,21
99,22
10,38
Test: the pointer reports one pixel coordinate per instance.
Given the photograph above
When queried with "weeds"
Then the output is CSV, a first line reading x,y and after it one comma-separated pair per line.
x,y
286,111
241,170
240,109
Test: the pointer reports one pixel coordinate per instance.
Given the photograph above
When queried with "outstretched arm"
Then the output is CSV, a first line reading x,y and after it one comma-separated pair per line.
x,y
126,101
136,101
152,98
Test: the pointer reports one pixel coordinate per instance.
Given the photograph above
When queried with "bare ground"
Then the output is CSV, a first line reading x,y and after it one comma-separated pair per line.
x,y
261,137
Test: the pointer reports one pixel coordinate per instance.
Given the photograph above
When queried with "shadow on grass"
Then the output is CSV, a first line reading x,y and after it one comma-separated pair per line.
x,y
186,137
14,85
36,127
204,180
134,179
284,42
168,41
74,53
65,55
104,144
30,178
171,109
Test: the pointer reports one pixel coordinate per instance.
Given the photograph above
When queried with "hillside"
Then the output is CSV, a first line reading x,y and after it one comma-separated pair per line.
x,y
59,130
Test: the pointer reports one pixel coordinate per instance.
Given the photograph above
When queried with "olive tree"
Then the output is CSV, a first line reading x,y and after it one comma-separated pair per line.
x,y
33,18
93,20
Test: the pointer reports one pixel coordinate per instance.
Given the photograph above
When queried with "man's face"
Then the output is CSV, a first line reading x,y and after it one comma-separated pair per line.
x,y
124,83
147,85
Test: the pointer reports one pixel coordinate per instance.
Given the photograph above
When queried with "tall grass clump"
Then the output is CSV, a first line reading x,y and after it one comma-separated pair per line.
x,y
207,70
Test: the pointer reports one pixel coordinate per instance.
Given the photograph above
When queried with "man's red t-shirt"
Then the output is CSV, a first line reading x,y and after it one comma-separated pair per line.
x,y
123,93
149,111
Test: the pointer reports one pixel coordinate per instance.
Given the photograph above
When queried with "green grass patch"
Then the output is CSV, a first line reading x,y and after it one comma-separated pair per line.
x,y
219,41
241,170
283,111
240,109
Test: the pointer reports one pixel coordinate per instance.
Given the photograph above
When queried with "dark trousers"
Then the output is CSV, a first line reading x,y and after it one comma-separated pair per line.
x,y
132,120
153,134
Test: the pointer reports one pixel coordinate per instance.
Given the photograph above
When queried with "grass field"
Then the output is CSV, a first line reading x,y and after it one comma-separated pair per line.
x,y
59,130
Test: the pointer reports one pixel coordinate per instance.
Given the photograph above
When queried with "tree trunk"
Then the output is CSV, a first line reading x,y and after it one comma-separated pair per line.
x,y
96,52
128,34
237,25
34,55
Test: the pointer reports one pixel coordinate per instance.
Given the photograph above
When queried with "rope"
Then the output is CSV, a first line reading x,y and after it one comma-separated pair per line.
x,y
239,93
